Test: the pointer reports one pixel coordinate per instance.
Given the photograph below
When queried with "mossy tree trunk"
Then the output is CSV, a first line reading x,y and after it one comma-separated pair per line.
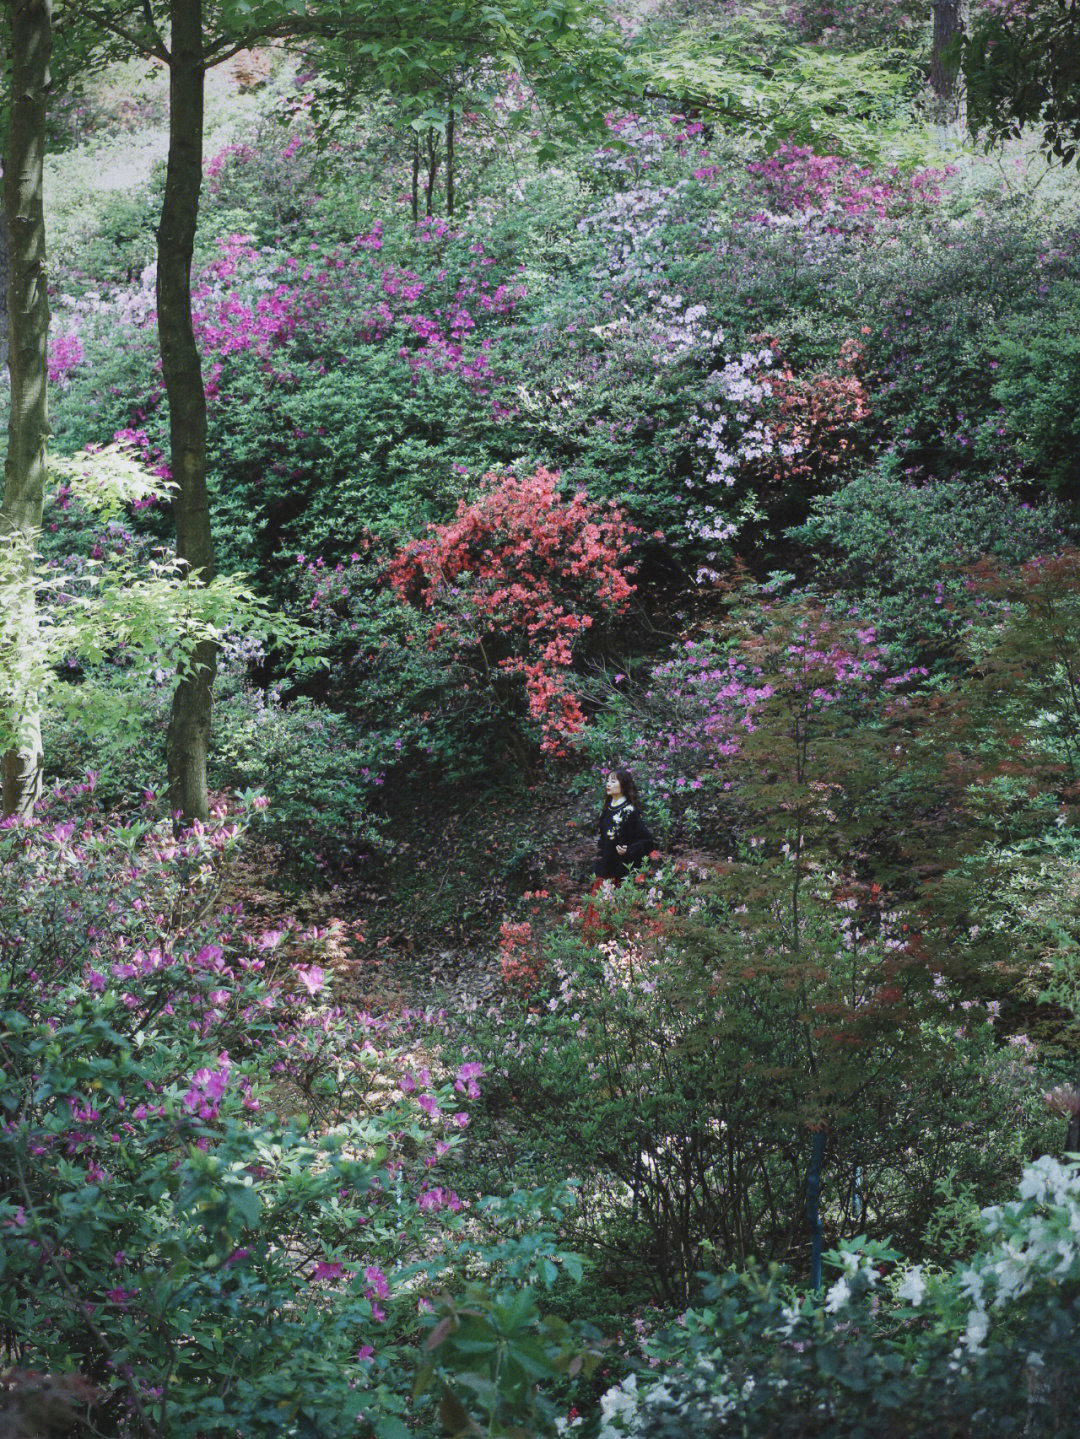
x,y
189,723
946,76
28,338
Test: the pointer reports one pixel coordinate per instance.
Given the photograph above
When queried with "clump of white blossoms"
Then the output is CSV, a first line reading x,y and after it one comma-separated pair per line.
x,y
1035,1246
1031,1254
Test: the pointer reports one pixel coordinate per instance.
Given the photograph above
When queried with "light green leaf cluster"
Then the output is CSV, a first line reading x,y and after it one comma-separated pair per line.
x,y
108,477
751,76
52,620
436,56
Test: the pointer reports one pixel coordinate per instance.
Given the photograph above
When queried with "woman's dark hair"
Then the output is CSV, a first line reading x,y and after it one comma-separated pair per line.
x,y
628,786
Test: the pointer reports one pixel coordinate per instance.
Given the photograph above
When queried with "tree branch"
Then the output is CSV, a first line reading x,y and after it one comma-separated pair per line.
x,y
133,38
151,24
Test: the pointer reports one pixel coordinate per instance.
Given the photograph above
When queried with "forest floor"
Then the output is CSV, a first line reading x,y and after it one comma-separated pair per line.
x,y
392,944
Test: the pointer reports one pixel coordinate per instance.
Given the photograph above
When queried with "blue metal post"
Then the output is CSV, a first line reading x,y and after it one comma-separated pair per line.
x,y
813,1206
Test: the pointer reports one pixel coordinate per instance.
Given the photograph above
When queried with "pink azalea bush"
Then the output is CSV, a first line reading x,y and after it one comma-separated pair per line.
x,y
65,352
212,1176
687,723
794,180
253,298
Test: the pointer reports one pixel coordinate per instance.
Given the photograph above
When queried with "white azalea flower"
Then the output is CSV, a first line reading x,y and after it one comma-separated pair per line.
x,y
837,1296
913,1286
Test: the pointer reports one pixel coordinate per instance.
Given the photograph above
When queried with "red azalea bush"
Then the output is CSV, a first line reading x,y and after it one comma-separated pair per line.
x,y
516,579
520,965
816,416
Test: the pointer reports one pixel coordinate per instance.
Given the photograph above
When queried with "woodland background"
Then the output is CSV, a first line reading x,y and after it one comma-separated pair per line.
x,y
416,412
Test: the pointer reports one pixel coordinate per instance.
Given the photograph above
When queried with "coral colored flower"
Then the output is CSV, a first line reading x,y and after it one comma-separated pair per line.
x,y
528,565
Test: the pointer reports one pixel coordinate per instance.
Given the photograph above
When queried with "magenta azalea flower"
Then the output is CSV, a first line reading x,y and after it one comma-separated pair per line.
x,y
312,979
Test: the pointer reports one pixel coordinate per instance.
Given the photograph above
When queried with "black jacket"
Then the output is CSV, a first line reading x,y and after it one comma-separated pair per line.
x,y
621,824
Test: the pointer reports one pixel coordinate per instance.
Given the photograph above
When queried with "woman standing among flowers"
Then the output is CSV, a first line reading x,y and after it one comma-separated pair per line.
x,y
624,840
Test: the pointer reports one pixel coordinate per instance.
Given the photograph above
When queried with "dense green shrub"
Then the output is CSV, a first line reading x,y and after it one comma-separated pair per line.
x,y
936,307
309,467
318,770
985,1347
901,547
1037,368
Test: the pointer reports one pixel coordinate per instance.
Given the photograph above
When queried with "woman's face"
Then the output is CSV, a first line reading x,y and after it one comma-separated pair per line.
x,y
614,788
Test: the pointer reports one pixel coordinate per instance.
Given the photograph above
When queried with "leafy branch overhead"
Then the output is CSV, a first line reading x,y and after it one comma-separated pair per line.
x,y
567,51
56,619
1022,69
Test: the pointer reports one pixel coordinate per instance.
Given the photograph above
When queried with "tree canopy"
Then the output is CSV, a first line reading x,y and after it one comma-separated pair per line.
x,y
1022,67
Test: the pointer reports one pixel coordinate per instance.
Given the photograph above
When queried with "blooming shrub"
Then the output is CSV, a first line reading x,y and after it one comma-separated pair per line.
x,y
816,419
688,724
794,180
676,1064
254,299
522,568
205,1263
860,23
986,1346
521,966
65,352
313,354
734,436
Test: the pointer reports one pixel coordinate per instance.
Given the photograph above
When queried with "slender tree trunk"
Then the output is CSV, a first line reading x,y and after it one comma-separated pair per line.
x,y
189,725
1072,1132
5,276
432,171
450,164
28,336
416,178
946,80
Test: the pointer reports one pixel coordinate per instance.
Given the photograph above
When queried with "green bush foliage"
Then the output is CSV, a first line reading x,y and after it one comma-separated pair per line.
x,y
509,471
984,1345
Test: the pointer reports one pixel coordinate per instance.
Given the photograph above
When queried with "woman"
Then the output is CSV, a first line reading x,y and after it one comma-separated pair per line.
x,y
624,840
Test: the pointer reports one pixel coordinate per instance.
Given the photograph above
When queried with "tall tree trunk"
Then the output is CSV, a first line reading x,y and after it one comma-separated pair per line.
x,y
416,177
189,724
946,79
1072,1132
28,337
5,276
432,171
450,164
